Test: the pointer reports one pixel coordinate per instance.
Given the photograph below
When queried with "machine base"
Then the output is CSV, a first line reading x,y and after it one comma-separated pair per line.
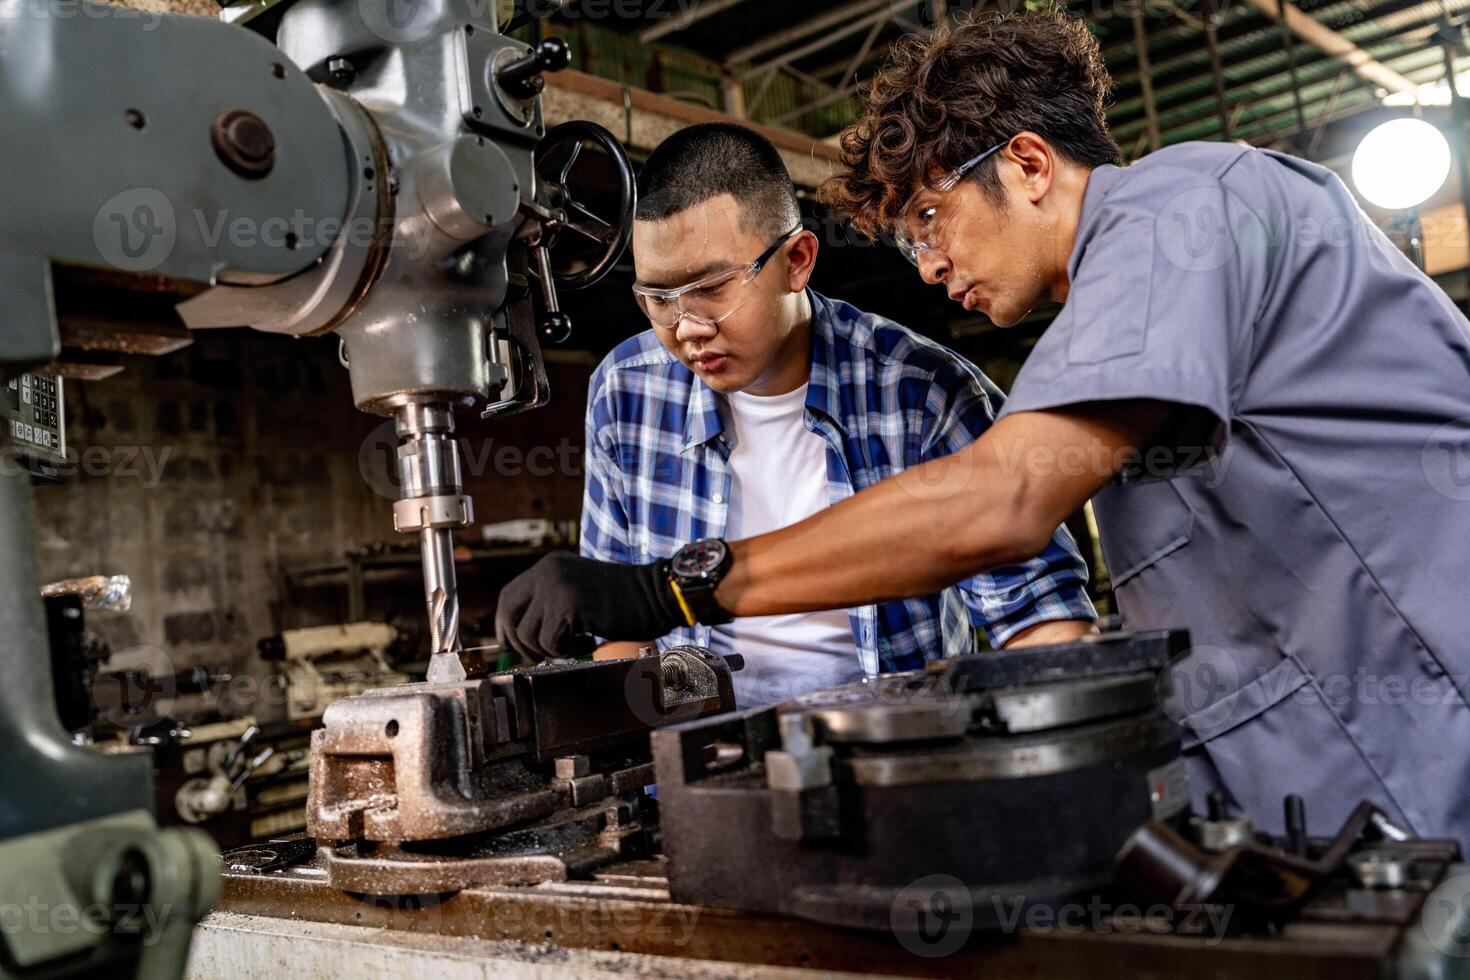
x,y
623,920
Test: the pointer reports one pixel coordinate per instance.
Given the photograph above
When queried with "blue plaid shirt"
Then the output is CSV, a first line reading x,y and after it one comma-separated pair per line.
x,y
883,398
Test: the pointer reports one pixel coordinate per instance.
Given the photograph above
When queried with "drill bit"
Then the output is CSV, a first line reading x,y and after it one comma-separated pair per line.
x,y
442,595
433,503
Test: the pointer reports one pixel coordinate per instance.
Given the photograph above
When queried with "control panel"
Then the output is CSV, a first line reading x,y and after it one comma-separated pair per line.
x,y
33,411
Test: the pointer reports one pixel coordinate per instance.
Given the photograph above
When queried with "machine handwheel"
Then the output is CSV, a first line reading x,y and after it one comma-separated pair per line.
x,y
557,156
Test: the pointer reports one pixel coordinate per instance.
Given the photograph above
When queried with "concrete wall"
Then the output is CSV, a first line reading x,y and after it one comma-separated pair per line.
x,y
204,475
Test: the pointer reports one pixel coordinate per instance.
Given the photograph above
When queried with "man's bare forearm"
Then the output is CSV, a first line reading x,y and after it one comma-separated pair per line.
x,y
1053,631
995,503
619,649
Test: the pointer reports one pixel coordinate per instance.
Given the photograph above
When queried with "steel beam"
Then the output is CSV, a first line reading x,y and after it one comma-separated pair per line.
x,y
1289,43
1145,76
1449,41
692,15
1314,32
827,40
833,18
1217,69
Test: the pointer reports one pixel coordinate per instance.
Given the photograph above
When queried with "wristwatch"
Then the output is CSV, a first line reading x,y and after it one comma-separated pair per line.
x,y
695,572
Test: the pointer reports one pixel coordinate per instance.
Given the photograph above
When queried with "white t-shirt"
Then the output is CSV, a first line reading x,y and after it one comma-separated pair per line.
x,y
778,477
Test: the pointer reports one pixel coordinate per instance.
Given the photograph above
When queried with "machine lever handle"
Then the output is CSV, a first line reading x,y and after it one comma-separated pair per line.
x,y
555,326
523,77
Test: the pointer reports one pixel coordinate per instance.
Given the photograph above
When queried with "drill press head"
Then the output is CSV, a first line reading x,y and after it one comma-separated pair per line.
x,y
429,286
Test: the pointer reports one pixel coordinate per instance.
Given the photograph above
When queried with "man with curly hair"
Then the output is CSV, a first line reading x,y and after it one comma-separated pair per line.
x,y
1270,403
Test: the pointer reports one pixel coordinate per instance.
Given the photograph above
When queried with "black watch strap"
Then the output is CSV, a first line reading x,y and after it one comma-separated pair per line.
x,y
700,605
693,581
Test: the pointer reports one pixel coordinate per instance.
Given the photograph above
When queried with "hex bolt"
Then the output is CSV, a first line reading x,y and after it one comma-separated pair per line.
x,y
341,70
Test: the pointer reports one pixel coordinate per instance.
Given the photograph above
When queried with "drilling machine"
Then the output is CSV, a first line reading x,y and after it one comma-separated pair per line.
x,y
373,168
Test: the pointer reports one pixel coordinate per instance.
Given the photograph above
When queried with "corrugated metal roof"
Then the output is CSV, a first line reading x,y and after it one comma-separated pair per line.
x,y
690,63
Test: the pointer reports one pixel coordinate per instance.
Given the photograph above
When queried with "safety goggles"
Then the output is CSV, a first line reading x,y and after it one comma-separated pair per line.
x,y
707,300
917,231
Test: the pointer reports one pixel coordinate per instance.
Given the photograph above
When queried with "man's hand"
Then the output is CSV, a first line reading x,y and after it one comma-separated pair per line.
x,y
542,611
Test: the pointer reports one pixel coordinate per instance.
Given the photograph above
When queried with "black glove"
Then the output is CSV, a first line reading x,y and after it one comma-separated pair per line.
x,y
542,611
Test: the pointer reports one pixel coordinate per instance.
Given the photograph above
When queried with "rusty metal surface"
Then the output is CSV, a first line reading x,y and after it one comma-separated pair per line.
x,y
626,911
97,332
572,844
428,762
518,777
407,763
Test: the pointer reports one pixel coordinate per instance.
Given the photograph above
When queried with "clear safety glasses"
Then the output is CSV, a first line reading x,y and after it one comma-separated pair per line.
x,y
916,231
708,300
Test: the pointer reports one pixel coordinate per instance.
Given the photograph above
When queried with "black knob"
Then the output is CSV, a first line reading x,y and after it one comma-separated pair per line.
x,y
522,77
1216,805
1296,825
244,143
556,328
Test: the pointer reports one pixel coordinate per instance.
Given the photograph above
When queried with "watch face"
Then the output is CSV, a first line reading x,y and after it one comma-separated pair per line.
x,y
699,559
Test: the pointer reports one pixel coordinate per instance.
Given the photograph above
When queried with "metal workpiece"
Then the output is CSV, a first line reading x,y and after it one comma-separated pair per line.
x,y
822,793
522,775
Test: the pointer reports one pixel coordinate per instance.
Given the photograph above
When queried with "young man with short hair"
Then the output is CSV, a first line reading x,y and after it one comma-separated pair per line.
x,y
753,402
1270,401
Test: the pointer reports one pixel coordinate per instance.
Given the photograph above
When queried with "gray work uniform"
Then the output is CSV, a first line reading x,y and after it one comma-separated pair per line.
x,y
1314,534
